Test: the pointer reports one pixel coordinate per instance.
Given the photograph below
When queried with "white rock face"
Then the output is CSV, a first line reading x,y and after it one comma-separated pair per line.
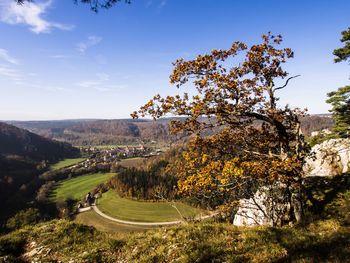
x,y
250,212
264,208
329,158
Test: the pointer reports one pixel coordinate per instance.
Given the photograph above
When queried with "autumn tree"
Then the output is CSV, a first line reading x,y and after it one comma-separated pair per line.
x,y
255,144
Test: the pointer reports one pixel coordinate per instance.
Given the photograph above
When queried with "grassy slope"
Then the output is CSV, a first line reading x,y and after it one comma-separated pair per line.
x,y
77,187
66,163
322,241
91,218
126,209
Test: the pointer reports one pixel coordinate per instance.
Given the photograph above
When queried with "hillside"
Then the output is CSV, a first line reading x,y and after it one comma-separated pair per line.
x,y
62,241
23,156
99,132
128,131
20,142
324,236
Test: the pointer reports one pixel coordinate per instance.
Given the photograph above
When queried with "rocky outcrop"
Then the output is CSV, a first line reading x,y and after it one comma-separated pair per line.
x,y
252,211
268,206
329,158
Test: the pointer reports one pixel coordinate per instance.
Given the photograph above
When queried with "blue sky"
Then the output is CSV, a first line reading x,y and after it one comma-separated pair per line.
x,y
62,61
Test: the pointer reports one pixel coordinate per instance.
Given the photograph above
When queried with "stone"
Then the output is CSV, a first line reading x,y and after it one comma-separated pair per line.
x,y
329,158
265,207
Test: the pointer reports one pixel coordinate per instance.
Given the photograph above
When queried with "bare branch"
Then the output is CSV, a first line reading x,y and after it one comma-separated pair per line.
x,y
285,85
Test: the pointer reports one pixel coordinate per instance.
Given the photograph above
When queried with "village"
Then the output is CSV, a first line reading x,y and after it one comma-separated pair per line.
x,y
113,154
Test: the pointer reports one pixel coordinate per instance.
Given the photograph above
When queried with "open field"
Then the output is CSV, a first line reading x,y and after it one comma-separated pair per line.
x,y
66,163
121,208
132,162
90,218
76,188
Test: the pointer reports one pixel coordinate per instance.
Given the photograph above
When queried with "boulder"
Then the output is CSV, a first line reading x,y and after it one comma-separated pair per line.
x,y
329,158
251,211
268,206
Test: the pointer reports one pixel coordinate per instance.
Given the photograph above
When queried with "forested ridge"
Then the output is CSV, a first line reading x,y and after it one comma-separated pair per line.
x,y
126,131
23,157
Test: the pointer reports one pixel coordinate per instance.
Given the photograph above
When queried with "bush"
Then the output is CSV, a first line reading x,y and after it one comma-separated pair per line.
x,y
340,208
29,216
11,245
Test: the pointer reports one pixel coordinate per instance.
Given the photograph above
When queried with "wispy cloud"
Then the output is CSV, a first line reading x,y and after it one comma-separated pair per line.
x,y
4,55
162,3
30,14
59,56
10,73
103,76
158,3
90,42
101,83
88,84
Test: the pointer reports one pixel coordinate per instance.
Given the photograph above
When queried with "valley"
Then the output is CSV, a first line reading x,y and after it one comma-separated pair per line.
x,y
156,131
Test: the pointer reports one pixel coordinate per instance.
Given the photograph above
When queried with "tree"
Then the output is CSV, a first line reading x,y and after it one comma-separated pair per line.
x,y
340,101
255,143
343,54
95,5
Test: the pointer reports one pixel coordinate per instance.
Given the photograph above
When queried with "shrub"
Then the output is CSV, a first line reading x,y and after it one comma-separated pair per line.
x,y
25,217
340,208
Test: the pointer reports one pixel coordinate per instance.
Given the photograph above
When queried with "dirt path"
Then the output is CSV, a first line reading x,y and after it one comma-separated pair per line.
x,y
98,211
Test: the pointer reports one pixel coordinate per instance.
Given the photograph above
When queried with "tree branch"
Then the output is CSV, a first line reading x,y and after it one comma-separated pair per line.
x,y
285,85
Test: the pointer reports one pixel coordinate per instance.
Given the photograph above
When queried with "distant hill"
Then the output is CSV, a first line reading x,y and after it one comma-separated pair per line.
x,y
99,132
316,123
126,131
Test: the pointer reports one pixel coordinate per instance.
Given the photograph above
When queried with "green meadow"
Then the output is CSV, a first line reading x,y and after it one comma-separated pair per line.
x,y
76,188
66,163
126,209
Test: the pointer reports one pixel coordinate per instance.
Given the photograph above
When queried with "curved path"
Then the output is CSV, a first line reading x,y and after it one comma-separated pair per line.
x,y
98,211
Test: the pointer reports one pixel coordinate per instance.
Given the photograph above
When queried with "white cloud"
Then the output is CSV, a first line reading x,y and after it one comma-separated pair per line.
x,y
30,14
90,42
10,73
101,83
88,84
158,3
162,3
5,56
59,56
102,76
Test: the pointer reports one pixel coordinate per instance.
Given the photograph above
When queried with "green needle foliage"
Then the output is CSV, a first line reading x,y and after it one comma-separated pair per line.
x,y
340,101
343,53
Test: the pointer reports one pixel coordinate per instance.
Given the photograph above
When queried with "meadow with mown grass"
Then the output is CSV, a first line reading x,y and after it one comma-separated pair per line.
x,y
66,163
145,211
76,188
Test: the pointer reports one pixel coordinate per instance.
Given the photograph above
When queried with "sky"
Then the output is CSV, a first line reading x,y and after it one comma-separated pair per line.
x,y
59,60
